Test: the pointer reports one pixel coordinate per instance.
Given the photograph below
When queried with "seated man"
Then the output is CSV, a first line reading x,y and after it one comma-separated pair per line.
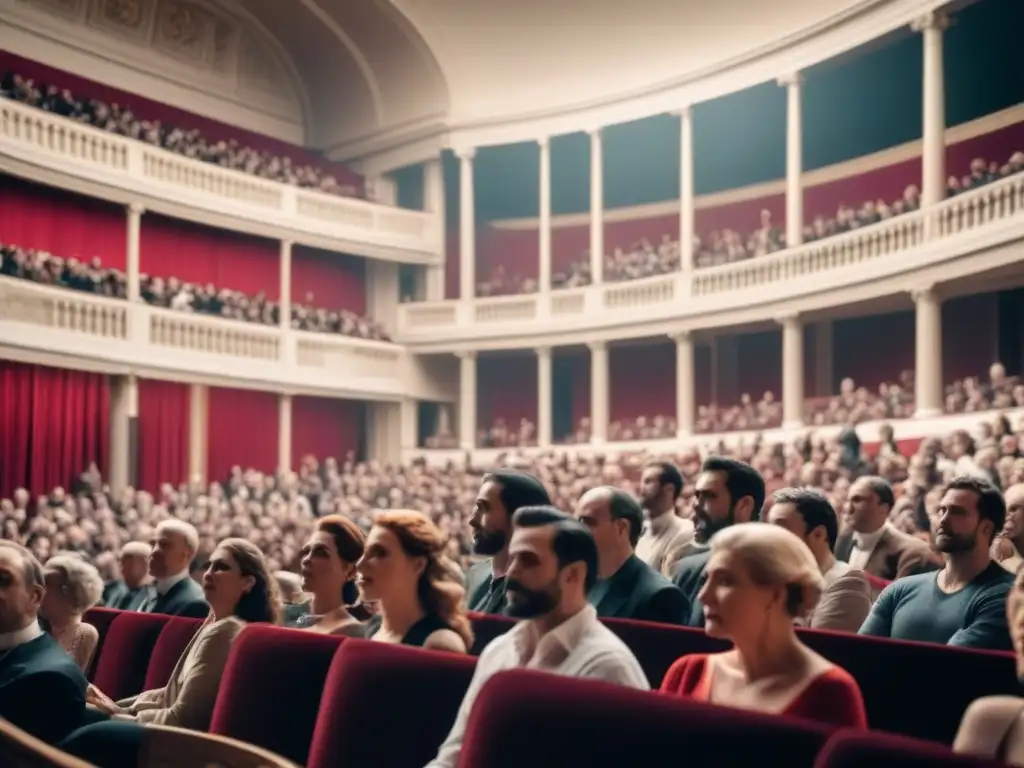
x,y
130,592
552,565
42,690
174,591
964,604
846,600
627,587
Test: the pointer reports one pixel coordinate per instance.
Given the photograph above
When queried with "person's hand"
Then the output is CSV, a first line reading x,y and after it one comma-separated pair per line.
x,y
100,700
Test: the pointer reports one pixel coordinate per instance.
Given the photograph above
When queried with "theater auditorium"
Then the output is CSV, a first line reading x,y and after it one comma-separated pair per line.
x,y
403,384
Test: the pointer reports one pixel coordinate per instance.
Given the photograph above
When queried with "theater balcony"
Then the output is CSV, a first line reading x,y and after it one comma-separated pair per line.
x,y
47,148
971,233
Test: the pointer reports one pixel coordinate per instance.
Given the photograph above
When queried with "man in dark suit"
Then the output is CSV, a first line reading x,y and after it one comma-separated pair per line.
x,y
42,690
173,591
727,492
871,543
626,588
501,494
131,591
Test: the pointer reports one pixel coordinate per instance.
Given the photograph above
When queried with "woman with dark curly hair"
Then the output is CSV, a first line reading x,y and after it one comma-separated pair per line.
x,y
405,571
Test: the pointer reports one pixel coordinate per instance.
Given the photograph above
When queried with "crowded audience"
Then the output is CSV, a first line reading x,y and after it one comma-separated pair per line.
x,y
171,293
120,119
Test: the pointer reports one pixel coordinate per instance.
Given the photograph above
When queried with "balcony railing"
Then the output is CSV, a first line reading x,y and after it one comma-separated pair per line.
x,y
58,144
982,218
154,341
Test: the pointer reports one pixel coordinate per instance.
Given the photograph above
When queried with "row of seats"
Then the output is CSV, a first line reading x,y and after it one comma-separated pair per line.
x,y
315,699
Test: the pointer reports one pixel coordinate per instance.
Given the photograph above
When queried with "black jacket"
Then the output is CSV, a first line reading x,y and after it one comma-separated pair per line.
x,y
637,591
690,575
42,690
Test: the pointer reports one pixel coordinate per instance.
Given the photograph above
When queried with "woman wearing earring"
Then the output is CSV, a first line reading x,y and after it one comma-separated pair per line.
x,y
329,565
404,570
73,586
759,579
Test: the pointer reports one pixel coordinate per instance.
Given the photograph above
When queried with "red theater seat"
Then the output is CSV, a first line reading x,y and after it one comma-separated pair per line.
x,y
388,706
856,749
174,638
101,618
121,670
916,689
527,718
270,693
657,646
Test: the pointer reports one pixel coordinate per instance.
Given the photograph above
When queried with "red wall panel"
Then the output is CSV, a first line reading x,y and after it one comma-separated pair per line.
x,y
760,365
335,280
517,250
873,349
325,427
163,433
147,109
581,387
198,254
242,429
642,381
66,225
506,389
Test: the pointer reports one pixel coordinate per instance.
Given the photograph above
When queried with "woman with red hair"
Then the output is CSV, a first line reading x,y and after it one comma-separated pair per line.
x,y
405,571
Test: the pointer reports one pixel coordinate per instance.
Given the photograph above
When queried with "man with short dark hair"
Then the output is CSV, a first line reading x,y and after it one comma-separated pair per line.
x,y
501,494
964,604
846,600
871,542
42,690
626,588
552,564
727,492
666,538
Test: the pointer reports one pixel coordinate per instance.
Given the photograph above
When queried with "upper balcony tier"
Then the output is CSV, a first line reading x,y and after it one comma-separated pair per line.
x,y
970,233
54,150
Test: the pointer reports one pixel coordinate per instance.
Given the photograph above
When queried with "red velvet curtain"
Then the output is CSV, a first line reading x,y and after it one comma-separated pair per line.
x,y
34,216
325,427
242,429
53,423
198,254
163,433
335,280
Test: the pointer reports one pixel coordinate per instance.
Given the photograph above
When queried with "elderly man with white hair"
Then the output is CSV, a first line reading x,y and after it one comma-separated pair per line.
x,y
131,591
175,545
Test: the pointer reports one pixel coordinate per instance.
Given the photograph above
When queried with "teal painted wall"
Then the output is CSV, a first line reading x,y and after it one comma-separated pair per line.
x,y
861,103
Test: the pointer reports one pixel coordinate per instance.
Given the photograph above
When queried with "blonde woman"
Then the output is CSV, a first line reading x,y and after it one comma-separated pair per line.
x,y
73,586
759,579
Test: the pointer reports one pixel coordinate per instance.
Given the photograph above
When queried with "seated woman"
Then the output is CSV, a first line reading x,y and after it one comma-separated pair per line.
x,y
328,565
239,588
759,579
73,586
404,570
993,726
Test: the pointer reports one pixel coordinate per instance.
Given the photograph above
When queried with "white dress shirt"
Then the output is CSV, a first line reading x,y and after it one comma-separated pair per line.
x,y
163,586
578,647
9,640
863,545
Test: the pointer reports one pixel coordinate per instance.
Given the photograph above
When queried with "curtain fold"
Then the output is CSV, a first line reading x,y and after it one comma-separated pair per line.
x,y
325,427
163,433
242,429
53,423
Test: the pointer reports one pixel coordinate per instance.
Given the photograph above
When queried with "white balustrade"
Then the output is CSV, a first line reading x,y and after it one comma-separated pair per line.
x,y
39,141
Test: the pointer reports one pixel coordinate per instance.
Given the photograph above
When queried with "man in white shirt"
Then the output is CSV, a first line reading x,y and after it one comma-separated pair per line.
x,y
552,566
846,599
175,545
666,538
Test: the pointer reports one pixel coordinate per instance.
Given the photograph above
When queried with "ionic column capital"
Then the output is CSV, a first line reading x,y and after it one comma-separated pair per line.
x,y
789,319
924,293
794,79
136,209
681,337
598,346
466,354
465,153
936,19
542,351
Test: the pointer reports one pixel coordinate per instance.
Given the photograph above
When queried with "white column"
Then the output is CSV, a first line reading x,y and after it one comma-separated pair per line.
x,y
598,392
687,195
410,424
285,300
596,207
433,202
467,400
794,161
824,361
792,371
933,154
124,408
467,226
544,270
928,353
382,189
685,397
544,397
284,434
133,254
198,427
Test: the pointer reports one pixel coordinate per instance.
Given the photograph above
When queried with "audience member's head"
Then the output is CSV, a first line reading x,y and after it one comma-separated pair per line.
x,y
21,587
1014,527
553,563
329,559
134,563
238,583
73,586
501,494
661,484
615,520
290,586
971,513
1015,619
727,492
809,515
759,578
175,545
869,503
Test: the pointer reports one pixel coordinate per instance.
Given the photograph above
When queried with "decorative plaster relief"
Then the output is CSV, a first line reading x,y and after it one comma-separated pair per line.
x,y
71,9
182,29
123,17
